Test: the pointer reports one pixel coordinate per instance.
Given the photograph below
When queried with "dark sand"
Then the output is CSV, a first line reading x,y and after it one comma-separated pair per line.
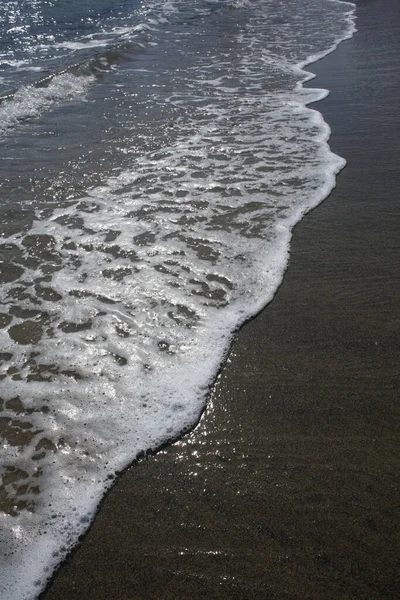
x,y
288,488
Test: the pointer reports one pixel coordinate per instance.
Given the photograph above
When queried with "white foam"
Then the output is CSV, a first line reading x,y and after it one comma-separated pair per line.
x,y
30,102
141,283
84,45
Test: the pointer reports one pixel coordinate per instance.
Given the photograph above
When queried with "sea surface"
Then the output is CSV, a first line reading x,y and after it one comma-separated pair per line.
x,y
154,159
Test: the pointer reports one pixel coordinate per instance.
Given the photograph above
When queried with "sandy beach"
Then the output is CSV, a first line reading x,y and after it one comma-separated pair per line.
x,y
288,487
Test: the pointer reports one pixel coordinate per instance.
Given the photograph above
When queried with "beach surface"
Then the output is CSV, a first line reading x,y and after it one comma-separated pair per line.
x,y
288,487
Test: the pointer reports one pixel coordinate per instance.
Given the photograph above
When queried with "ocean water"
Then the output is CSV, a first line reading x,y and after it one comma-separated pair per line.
x,y
155,157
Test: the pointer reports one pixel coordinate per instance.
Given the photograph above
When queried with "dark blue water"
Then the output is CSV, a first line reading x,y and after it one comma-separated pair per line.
x,y
40,37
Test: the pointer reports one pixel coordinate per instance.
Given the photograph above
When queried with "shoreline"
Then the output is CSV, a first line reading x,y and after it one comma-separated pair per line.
x,y
287,487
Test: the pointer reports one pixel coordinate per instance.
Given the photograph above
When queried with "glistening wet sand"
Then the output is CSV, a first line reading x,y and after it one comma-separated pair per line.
x,y
288,488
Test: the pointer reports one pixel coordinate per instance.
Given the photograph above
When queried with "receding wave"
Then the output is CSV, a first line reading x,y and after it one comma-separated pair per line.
x,y
29,102
118,306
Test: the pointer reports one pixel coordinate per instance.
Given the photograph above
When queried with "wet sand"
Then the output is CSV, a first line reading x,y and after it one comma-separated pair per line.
x,y
288,487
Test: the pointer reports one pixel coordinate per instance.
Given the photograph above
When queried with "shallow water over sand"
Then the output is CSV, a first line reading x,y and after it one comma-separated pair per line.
x,y
149,210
